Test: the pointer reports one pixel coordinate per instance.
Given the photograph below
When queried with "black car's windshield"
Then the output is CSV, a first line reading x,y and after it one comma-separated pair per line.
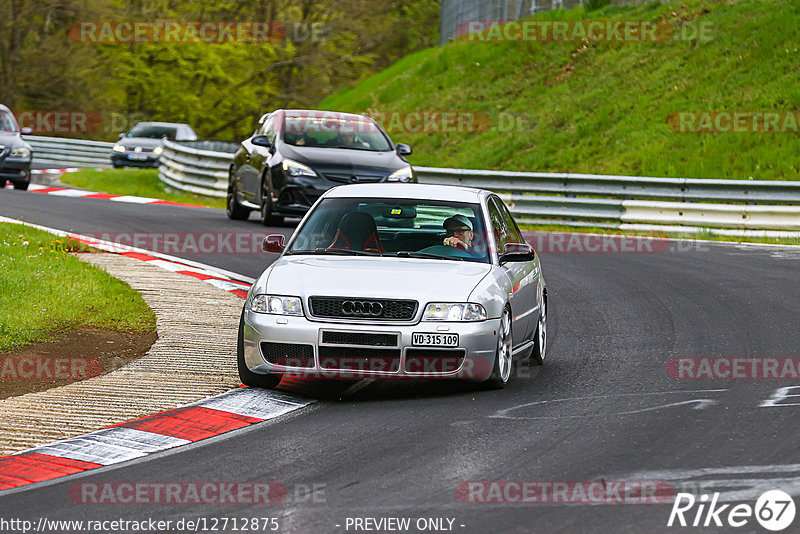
x,y
7,122
402,228
335,132
153,131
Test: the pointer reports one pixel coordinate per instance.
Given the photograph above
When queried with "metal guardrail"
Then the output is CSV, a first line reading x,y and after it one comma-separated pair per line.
x,y
66,152
191,167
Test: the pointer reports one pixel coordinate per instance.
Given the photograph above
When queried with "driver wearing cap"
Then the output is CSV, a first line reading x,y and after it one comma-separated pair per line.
x,y
459,232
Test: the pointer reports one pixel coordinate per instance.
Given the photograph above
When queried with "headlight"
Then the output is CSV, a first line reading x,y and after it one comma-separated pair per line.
x,y
118,148
158,150
459,311
293,168
20,152
402,175
276,305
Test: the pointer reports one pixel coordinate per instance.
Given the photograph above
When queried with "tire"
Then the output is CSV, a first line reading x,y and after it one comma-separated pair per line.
x,y
503,361
22,186
540,337
117,165
233,209
267,218
248,377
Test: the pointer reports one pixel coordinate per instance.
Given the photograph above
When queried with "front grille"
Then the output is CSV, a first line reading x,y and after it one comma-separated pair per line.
x,y
363,308
288,354
360,338
345,178
434,360
358,359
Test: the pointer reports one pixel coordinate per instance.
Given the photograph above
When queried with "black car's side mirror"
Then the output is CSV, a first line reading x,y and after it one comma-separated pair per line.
x,y
27,131
517,252
403,149
274,243
261,140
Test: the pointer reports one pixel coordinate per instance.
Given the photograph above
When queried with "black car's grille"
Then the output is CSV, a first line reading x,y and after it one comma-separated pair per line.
x,y
359,359
288,354
354,177
363,308
434,360
360,338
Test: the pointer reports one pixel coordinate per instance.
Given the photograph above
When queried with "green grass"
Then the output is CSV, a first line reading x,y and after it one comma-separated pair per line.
x,y
45,289
136,182
603,107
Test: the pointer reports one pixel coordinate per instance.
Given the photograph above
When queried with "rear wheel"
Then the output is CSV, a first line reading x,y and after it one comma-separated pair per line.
x,y
540,338
267,218
248,377
234,210
503,362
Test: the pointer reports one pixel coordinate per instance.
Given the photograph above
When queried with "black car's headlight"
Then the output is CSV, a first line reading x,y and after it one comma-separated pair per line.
x,y
276,305
401,175
294,168
21,152
457,311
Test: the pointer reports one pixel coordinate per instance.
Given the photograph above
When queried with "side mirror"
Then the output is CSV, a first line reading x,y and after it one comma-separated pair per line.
x,y
403,149
274,243
517,252
27,131
121,135
261,140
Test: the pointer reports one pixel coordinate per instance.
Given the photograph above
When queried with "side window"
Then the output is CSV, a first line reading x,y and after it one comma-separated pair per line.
x,y
514,235
498,226
269,131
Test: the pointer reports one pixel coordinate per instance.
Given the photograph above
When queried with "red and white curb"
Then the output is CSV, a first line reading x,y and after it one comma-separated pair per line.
x,y
135,439
79,193
54,171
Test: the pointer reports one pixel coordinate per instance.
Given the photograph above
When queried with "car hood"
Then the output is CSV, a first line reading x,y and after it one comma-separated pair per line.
x,y
344,160
401,278
12,139
144,142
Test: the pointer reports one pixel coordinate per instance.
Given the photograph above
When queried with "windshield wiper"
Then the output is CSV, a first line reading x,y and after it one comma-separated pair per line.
x,y
407,254
334,251
355,148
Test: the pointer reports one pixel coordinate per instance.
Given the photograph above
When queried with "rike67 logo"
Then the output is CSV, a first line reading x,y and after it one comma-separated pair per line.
x,y
774,510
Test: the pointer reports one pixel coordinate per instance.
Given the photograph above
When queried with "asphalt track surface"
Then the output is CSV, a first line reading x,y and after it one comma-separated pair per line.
x,y
602,408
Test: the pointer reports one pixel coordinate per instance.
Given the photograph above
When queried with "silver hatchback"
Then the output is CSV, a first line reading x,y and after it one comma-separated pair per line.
x,y
396,281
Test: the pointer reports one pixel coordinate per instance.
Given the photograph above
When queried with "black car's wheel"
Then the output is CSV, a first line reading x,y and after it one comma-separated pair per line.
x,y
267,218
21,185
540,337
248,377
234,210
503,362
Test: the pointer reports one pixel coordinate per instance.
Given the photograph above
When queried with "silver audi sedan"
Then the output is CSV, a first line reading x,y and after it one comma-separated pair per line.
x,y
397,281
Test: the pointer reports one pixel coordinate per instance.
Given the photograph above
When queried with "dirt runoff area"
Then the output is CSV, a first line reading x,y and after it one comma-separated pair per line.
x,y
69,357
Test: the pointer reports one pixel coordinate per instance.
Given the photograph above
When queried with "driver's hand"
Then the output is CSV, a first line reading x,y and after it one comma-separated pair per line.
x,y
453,241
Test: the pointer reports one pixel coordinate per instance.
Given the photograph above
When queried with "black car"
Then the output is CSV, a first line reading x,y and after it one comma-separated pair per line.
x,y
294,156
15,153
142,146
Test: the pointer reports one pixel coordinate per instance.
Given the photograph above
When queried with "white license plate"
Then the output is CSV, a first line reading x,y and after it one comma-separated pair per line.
x,y
138,156
422,339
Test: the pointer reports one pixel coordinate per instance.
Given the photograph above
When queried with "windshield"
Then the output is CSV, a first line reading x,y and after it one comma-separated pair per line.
x,y
153,132
394,227
335,132
7,122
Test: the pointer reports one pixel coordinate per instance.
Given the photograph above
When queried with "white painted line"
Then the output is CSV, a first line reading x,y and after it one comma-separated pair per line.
x,y
134,200
71,193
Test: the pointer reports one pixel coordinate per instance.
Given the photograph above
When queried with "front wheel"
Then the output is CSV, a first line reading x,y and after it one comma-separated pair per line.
x,y
248,377
503,362
540,339
22,186
267,218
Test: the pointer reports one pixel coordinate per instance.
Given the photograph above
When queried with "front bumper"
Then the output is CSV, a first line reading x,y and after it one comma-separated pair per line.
x,y
120,159
473,359
15,169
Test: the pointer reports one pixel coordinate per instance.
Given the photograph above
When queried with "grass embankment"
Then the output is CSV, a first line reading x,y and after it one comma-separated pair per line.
x,y
45,289
135,182
603,107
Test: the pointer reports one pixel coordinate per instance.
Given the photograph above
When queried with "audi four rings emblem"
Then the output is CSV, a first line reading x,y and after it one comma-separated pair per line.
x,y
362,307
